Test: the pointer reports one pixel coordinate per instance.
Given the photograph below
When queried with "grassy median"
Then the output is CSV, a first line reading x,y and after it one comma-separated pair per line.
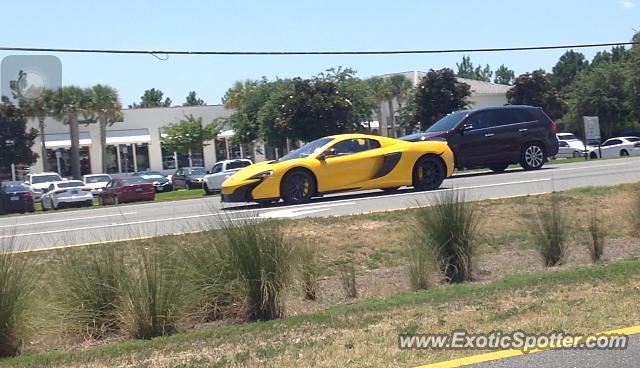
x,y
327,326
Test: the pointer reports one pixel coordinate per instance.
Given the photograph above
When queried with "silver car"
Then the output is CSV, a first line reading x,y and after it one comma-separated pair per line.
x,y
220,172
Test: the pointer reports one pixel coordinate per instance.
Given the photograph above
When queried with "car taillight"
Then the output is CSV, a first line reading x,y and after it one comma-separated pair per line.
x,y
637,145
554,127
86,189
26,195
60,191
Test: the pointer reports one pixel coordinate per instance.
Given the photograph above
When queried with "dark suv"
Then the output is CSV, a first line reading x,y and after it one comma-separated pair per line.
x,y
496,137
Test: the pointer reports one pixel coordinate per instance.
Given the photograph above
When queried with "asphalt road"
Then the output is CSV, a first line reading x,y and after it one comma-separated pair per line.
x,y
55,229
630,357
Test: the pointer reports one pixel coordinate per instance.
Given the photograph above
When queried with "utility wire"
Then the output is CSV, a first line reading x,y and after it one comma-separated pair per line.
x,y
155,53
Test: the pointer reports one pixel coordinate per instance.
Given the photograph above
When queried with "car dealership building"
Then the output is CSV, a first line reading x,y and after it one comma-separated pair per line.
x,y
134,144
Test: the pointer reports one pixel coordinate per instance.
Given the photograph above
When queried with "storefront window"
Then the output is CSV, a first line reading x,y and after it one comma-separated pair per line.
x,y
142,156
112,160
126,158
59,160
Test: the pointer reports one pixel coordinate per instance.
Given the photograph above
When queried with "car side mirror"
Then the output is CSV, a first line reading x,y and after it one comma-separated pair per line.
x,y
208,172
328,153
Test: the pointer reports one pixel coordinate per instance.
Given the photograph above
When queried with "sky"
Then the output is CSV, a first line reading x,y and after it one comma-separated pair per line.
x,y
299,25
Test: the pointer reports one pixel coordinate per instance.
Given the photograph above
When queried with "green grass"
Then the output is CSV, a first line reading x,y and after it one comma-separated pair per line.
x,y
406,307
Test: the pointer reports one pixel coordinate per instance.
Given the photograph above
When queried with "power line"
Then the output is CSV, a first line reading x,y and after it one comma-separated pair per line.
x,y
290,53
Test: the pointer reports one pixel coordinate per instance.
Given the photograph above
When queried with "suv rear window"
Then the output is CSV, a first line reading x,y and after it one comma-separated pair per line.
x,y
237,165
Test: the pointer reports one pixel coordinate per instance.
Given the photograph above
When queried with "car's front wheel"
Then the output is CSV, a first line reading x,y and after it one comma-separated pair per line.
x,y
298,186
532,156
428,173
624,153
207,191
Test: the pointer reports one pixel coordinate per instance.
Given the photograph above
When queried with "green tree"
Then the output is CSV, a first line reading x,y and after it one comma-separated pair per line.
x,y
188,135
398,88
105,104
378,91
467,70
535,89
438,94
152,98
236,96
15,139
601,91
317,109
356,90
633,83
69,104
504,75
566,70
38,110
193,100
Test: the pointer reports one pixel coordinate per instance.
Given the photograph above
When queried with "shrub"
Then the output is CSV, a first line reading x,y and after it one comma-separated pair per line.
x,y
420,265
635,213
597,236
448,233
16,286
153,285
88,289
208,263
263,258
347,272
549,230
309,271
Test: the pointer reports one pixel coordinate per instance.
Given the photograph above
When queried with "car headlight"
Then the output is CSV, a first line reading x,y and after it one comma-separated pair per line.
x,y
262,175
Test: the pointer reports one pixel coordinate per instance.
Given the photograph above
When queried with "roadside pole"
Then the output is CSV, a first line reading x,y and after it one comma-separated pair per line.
x,y
592,132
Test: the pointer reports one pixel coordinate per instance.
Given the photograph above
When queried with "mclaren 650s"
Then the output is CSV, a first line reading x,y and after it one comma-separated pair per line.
x,y
340,163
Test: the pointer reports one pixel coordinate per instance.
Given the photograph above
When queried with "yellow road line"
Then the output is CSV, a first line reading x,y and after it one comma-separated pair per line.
x,y
502,354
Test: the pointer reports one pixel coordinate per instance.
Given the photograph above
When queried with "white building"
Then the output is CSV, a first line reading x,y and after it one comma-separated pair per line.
x,y
483,94
134,144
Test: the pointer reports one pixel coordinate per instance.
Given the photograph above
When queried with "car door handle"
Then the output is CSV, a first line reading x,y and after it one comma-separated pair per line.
x,y
522,130
489,135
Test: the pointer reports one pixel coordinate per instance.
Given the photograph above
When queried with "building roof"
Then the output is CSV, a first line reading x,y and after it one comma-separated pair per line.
x,y
477,87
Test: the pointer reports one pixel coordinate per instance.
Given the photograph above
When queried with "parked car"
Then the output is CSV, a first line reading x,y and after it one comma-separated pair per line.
x,y
569,146
66,193
189,177
159,181
495,137
96,182
220,172
616,147
37,183
15,197
129,189
342,163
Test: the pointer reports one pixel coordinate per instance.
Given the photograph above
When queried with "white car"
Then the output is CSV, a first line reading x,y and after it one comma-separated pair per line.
x,y
96,182
37,183
616,147
220,172
569,146
65,193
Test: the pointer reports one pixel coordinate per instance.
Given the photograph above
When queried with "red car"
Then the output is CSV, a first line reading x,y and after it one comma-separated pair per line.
x,y
129,189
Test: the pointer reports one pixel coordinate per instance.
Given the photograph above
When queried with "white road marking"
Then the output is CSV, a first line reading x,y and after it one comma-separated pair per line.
x,y
65,220
294,212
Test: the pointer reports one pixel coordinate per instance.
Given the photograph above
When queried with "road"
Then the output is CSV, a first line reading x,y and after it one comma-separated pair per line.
x,y
55,229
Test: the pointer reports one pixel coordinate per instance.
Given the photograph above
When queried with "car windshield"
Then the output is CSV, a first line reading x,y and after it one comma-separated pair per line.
x,y
448,122
567,137
97,179
306,150
197,171
14,188
151,176
37,179
70,184
134,180
237,164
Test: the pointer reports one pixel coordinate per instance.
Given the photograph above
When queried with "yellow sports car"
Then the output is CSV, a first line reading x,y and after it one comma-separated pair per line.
x,y
342,163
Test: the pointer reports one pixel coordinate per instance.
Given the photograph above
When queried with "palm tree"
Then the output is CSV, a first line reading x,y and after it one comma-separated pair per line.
x,y
378,87
398,87
38,109
69,103
105,103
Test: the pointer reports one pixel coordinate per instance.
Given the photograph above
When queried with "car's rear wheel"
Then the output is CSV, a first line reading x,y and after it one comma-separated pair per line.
x,y
498,168
297,186
593,156
428,173
207,191
532,156
624,153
